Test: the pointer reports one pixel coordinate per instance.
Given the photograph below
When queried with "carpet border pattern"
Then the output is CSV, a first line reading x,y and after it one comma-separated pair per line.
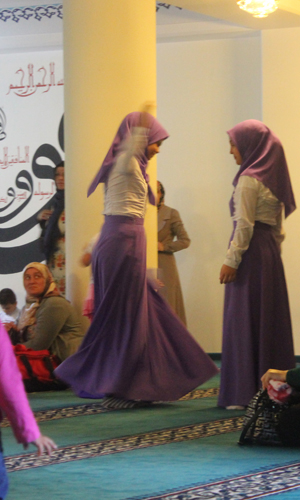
x,y
123,444
251,486
96,408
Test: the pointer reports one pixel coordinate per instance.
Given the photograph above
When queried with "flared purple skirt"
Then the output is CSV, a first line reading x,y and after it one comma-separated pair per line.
x,y
136,347
257,332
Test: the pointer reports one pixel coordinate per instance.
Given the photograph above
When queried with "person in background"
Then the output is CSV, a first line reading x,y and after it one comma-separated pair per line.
x,y
257,331
14,403
9,316
9,306
172,237
52,222
136,350
48,320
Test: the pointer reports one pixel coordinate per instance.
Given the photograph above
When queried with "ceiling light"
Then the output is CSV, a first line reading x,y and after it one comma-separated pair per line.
x,y
258,8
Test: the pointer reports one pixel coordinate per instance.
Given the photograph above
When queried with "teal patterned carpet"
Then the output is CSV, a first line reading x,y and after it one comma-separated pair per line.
x,y
183,450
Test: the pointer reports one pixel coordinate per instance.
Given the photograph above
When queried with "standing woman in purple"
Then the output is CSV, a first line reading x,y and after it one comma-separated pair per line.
x,y
257,330
135,349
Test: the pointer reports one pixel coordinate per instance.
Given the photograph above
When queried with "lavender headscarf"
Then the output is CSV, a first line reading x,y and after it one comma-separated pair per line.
x,y
155,133
263,158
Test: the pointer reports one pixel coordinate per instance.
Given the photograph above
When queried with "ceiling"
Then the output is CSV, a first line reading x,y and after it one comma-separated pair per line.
x,y
37,25
286,16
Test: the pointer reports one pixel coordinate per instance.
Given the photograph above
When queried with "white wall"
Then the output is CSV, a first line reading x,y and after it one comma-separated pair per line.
x,y
281,110
204,88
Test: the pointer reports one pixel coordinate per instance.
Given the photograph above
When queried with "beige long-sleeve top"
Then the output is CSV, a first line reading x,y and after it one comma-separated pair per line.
x,y
252,202
177,238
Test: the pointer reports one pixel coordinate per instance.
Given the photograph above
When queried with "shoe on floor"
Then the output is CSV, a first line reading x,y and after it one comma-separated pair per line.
x,y
123,404
235,407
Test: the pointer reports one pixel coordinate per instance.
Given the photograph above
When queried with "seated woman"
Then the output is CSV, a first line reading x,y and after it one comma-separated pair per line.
x,y
48,320
288,426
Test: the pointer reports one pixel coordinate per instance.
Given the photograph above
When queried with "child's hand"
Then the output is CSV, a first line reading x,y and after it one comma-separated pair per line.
x,y
9,325
43,444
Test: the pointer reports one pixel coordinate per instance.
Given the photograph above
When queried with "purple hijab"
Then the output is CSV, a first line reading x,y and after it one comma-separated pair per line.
x,y
263,158
155,133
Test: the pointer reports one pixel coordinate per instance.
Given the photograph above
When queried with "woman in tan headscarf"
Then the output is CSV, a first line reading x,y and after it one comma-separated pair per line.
x,y
47,321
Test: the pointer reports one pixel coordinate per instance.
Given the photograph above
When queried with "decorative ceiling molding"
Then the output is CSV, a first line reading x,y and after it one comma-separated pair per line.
x,y
29,13
166,6
38,12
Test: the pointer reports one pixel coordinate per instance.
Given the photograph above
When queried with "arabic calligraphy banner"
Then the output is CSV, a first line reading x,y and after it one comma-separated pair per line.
x,y
31,144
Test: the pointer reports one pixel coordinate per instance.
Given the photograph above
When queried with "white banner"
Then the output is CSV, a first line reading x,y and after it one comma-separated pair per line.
x,y
31,144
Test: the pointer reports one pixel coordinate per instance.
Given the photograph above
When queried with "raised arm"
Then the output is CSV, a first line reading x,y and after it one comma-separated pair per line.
x,y
133,146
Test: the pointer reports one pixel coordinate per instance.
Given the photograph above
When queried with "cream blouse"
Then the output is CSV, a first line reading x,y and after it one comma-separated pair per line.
x,y
252,202
126,189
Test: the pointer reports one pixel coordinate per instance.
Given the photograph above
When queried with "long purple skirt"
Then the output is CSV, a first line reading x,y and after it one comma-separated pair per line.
x,y
257,332
136,347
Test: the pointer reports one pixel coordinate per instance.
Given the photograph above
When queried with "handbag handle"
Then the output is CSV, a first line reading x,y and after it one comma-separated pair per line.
x,y
254,417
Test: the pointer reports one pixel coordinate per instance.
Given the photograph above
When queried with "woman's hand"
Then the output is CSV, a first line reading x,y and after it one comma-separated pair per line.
x,y
147,109
160,246
227,274
159,284
44,215
273,375
86,258
43,444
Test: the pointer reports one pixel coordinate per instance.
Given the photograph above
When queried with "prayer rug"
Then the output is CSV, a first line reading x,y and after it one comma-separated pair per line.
x,y
95,408
251,486
105,447
184,450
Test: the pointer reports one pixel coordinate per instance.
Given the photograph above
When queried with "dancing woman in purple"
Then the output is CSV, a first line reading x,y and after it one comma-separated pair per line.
x,y
257,330
136,348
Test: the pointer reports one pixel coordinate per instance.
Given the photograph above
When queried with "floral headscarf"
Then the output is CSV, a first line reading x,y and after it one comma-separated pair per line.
x,y
28,313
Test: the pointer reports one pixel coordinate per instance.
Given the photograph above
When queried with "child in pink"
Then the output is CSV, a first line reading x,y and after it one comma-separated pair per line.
x,y
14,402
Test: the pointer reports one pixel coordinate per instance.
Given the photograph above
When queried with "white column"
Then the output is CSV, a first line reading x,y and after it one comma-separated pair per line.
x,y
110,70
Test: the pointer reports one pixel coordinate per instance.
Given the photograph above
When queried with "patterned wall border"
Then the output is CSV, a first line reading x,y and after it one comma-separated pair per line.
x,y
165,5
40,12
35,12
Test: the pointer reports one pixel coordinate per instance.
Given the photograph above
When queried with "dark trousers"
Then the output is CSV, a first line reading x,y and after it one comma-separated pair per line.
x,y
289,426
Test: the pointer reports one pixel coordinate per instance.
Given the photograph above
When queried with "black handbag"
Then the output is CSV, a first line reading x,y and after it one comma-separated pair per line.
x,y
261,421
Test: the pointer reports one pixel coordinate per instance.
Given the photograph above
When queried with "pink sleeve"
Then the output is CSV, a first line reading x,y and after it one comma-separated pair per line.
x,y
13,398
